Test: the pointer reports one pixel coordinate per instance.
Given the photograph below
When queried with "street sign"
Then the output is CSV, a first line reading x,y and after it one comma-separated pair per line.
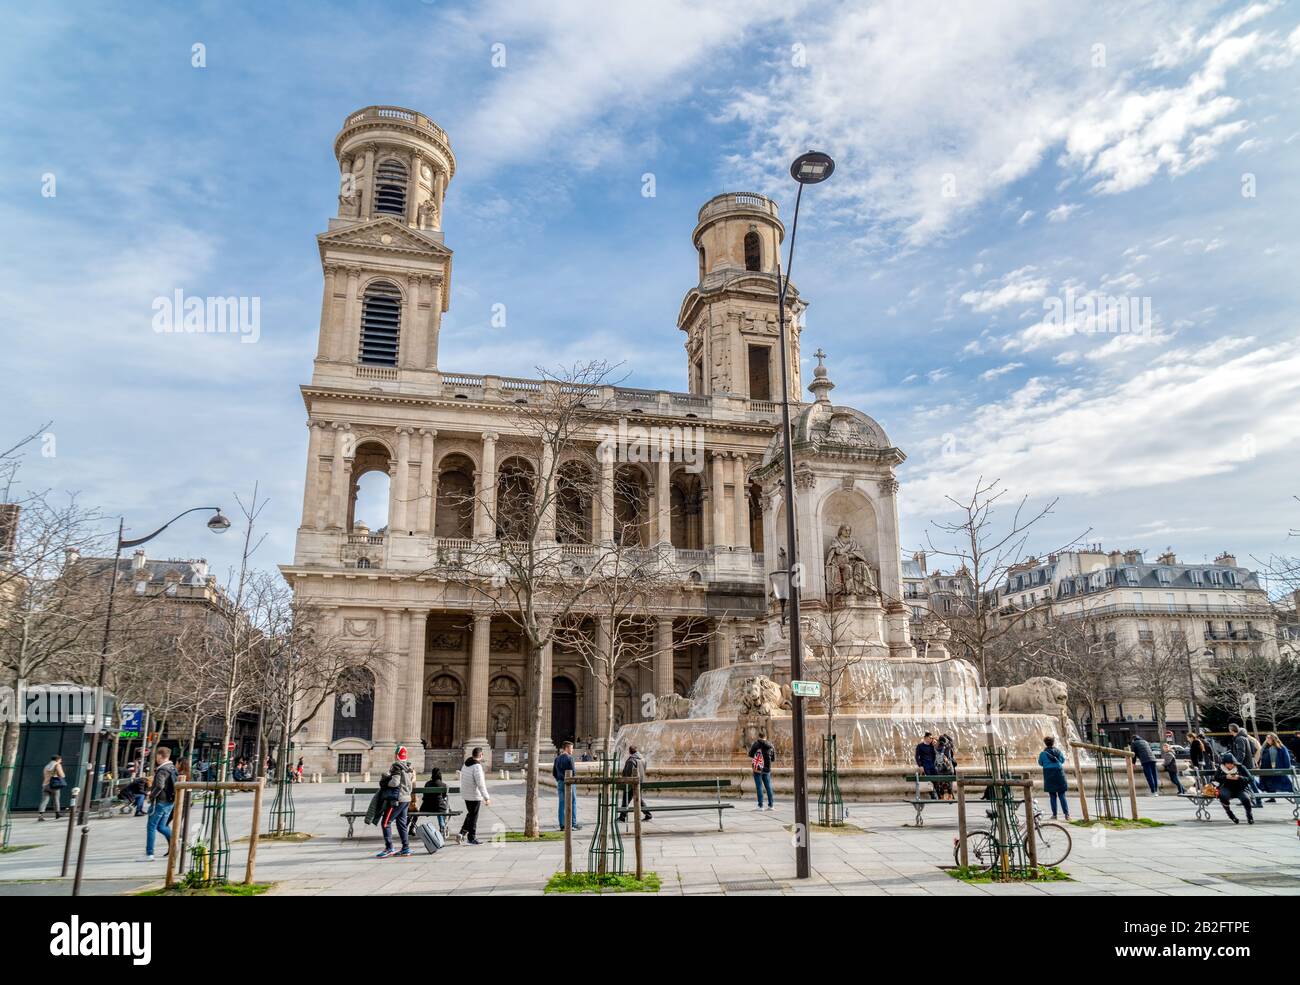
x,y
806,689
132,722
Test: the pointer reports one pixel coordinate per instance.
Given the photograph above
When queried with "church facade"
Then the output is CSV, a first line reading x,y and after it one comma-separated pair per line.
x,y
379,402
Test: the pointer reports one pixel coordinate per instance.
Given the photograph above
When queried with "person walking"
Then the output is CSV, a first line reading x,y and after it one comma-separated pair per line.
x,y
395,791
925,757
761,754
634,765
473,790
1197,753
560,769
162,799
1234,782
1169,760
53,780
1245,750
1052,760
436,803
1147,758
1275,756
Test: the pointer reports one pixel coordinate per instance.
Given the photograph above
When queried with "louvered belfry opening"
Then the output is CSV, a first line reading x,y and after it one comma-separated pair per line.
x,y
390,188
381,321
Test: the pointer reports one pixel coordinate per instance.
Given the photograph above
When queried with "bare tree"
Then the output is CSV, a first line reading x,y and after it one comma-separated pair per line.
x,y
51,608
1155,670
1077,651
1273,683
838,652
987,548
527,564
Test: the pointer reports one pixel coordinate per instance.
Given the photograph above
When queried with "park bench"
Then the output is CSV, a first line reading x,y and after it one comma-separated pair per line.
x,y
920,800
661,807
351,814
1202,802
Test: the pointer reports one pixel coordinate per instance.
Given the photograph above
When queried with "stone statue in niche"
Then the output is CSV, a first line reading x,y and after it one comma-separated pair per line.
x,y
847,569
427,214
501,719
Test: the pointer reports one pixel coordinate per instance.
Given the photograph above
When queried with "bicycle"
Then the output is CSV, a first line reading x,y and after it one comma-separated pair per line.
x,y
1051,840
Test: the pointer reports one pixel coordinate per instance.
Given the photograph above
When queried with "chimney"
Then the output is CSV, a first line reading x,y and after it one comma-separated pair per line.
x,y
1115,557
1132,557
8,529
138,560
919,558
1226,559
1168,557
201,568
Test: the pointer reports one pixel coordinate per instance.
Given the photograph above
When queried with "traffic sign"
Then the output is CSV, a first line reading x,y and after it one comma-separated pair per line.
x,y
806,689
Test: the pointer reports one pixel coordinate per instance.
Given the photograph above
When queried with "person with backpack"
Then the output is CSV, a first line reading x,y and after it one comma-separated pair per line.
x,y
53,780
945,764
634,765
1052,760
436,803
162,799
560,769
1245,750
761,754
473,790
395,793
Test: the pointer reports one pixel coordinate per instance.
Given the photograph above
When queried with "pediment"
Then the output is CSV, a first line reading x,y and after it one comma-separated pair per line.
x,y
383,234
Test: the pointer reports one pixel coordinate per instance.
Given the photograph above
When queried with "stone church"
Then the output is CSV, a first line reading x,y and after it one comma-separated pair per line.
x,y
378,402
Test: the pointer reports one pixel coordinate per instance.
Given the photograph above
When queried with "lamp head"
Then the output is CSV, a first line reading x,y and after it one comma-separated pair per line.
x,y
218,523
811,168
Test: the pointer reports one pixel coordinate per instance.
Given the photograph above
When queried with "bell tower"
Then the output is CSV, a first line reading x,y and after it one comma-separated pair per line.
x,y
730,316
387,269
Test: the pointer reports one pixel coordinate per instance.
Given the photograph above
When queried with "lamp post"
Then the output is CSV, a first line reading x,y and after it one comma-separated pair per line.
x,y
218,524
807,169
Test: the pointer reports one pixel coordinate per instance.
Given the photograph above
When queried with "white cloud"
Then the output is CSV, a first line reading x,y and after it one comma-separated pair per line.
x,y
1017,287
1063,212
1193,414
993,374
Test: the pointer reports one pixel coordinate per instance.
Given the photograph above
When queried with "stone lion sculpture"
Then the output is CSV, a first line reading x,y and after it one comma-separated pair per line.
x,y
762,696
672,706
1038,695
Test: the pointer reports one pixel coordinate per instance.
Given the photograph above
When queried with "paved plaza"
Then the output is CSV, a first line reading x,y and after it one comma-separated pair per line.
x,y
881,854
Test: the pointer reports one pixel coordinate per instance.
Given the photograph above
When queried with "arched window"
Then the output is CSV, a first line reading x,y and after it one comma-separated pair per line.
x,y
454,516
354,705
381,322
515,506
701,249
390,187
753,252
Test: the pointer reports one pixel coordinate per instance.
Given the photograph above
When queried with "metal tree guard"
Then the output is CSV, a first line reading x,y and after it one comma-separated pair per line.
x,y
283,818
830,803
210,856
1012,861
605,855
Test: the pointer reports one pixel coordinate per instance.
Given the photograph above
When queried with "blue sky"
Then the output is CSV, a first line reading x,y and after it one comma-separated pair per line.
x,y
991,158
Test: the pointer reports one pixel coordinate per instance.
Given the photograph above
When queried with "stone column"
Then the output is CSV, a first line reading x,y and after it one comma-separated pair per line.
x,y
366,200
742,503
389,687
600,720
324,350
485,509
605,520
547,745
663,657
340,474
310,494
718,493
480,651
721,656
664,500
413,189
351,318
430,354
547,483
414,715
428,487
401,484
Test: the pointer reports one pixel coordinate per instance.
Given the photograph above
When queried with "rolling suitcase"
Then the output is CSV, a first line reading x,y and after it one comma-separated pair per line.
x,y
431,835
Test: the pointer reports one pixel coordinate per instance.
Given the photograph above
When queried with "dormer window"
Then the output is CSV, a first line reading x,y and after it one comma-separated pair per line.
x,y
1216,577
1165,575
390,187
1196,576
1130,576
381,320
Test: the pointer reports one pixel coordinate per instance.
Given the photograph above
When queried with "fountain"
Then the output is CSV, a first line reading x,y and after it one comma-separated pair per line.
x,y
890,690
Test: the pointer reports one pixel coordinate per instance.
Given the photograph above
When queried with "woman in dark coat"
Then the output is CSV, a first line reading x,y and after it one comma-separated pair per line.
x,y
1274,756
1052,760
435,802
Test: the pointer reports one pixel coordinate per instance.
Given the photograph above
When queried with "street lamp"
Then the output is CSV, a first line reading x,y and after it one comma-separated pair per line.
x,y
218,523
807,169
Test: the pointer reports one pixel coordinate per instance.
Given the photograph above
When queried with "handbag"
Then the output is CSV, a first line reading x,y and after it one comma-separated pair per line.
x,y
57,783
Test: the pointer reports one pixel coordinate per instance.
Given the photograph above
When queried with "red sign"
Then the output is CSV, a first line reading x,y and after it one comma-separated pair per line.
x,y
231,747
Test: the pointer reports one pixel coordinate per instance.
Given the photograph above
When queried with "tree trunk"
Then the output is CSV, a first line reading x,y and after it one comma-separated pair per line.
x,y
532,829
610,701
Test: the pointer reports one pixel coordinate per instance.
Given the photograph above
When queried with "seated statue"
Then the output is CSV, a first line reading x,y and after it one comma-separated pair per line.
x,y
847,569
